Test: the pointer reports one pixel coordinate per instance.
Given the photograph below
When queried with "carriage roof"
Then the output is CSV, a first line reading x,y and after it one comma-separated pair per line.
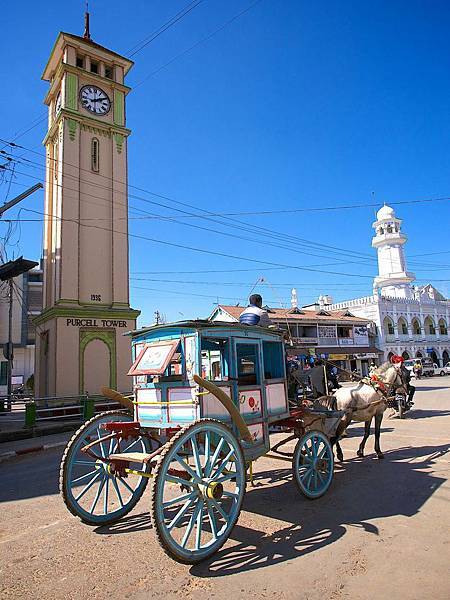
x,y
199,325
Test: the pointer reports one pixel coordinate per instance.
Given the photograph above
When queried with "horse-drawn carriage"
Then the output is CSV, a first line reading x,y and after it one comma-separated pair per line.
x,y
207,397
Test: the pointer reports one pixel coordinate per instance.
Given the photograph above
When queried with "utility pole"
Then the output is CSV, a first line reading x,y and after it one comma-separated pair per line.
x,y
20,197
7,272
10,351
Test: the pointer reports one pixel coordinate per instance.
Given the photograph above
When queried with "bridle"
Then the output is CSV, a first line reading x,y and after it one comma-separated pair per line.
x,y
383,387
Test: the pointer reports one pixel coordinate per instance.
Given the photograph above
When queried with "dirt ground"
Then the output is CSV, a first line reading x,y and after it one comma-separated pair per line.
x,y
381,531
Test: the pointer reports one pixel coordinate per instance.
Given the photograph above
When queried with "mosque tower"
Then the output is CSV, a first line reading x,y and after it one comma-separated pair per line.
x,y
393,279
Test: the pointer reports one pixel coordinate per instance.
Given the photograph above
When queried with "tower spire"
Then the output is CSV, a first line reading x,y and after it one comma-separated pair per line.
x,y
86,34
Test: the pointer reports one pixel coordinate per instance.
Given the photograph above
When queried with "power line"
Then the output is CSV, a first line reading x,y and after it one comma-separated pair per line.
x,y
296,250
210,252
198,43
170,23
173,59
258,230
223,233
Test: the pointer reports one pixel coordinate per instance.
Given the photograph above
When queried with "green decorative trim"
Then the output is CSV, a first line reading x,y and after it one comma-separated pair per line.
x,y
109,338
72,125
71,101
86,120
96,130
67,301
119,112
119,141
88,312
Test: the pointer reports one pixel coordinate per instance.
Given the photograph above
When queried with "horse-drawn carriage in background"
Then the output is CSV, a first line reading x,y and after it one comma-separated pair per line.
x,y
207,397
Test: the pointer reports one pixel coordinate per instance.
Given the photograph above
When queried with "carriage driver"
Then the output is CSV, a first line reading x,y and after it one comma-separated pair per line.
x,y
406,377
254,314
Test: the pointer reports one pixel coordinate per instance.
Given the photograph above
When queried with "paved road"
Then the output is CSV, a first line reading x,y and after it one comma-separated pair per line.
x,y
382,531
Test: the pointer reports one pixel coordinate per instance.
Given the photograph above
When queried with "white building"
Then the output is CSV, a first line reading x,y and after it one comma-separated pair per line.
x,y
27,303
411,320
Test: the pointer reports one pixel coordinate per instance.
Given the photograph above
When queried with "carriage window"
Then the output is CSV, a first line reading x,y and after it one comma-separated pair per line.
x,y
247,364
273,360
158,358
215,359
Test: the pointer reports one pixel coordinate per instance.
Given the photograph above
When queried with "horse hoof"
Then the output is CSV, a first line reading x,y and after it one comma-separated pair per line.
x,y
360,454
380,455
340,457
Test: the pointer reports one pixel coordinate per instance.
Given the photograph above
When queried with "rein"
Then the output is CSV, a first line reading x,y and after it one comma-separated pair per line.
x,y
379,385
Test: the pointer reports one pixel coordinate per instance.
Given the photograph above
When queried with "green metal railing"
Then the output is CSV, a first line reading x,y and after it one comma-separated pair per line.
x,y
76,408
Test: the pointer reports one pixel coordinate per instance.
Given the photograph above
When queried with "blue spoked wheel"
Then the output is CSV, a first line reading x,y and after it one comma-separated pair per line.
x,y
197,491
87,487
312,464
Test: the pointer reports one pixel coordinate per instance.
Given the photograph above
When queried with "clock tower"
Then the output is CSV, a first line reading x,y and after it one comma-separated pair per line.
x,y
79,335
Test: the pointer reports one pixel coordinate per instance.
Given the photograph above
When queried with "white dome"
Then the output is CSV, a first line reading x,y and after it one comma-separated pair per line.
x,y
385,212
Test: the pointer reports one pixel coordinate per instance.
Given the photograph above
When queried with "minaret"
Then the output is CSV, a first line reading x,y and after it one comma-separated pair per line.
x,y
294,298
393,279
79,339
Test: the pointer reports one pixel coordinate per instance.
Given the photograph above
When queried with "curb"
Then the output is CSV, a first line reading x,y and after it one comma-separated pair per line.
x,y
13,453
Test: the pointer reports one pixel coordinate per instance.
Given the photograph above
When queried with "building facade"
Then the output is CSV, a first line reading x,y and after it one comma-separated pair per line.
x,y
27,304
338,335
410,320
80,344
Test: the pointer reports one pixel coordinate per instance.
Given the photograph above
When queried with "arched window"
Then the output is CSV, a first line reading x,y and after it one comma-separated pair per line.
x,y
402,326
445,357
416,329
388,326
434,357
429,327
95,149
443,327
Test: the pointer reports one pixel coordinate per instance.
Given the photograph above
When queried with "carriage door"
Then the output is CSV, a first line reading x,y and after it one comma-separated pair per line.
x,y
249,387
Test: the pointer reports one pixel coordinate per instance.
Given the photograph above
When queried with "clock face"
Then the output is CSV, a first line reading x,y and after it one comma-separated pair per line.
x,y
94,100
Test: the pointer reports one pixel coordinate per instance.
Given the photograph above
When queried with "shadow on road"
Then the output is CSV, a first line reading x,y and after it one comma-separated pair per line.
x,y
431,388
363,490
418,413
131,524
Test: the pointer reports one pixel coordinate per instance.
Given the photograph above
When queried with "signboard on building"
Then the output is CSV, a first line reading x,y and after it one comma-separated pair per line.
x,y
346,342
361,335
327,331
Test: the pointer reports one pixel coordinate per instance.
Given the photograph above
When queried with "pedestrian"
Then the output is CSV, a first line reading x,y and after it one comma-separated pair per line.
x,y
317,378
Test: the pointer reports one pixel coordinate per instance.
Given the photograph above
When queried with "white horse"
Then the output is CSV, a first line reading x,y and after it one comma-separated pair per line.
x,y
363,401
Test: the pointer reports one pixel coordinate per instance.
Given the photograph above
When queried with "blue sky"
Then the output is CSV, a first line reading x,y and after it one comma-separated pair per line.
x,y
293,105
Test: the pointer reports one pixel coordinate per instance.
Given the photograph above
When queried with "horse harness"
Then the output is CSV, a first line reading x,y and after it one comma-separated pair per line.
x,y
380,386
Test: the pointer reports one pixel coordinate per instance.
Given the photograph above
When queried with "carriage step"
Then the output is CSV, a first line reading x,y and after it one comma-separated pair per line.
x,y
134,457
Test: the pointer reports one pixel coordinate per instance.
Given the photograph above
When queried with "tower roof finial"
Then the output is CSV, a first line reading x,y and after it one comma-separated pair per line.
x,y
86,34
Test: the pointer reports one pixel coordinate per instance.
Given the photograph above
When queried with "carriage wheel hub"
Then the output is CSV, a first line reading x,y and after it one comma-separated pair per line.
x,y
211,489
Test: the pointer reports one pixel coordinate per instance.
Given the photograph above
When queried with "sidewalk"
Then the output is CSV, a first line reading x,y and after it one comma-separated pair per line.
x,y
15,448
12,426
